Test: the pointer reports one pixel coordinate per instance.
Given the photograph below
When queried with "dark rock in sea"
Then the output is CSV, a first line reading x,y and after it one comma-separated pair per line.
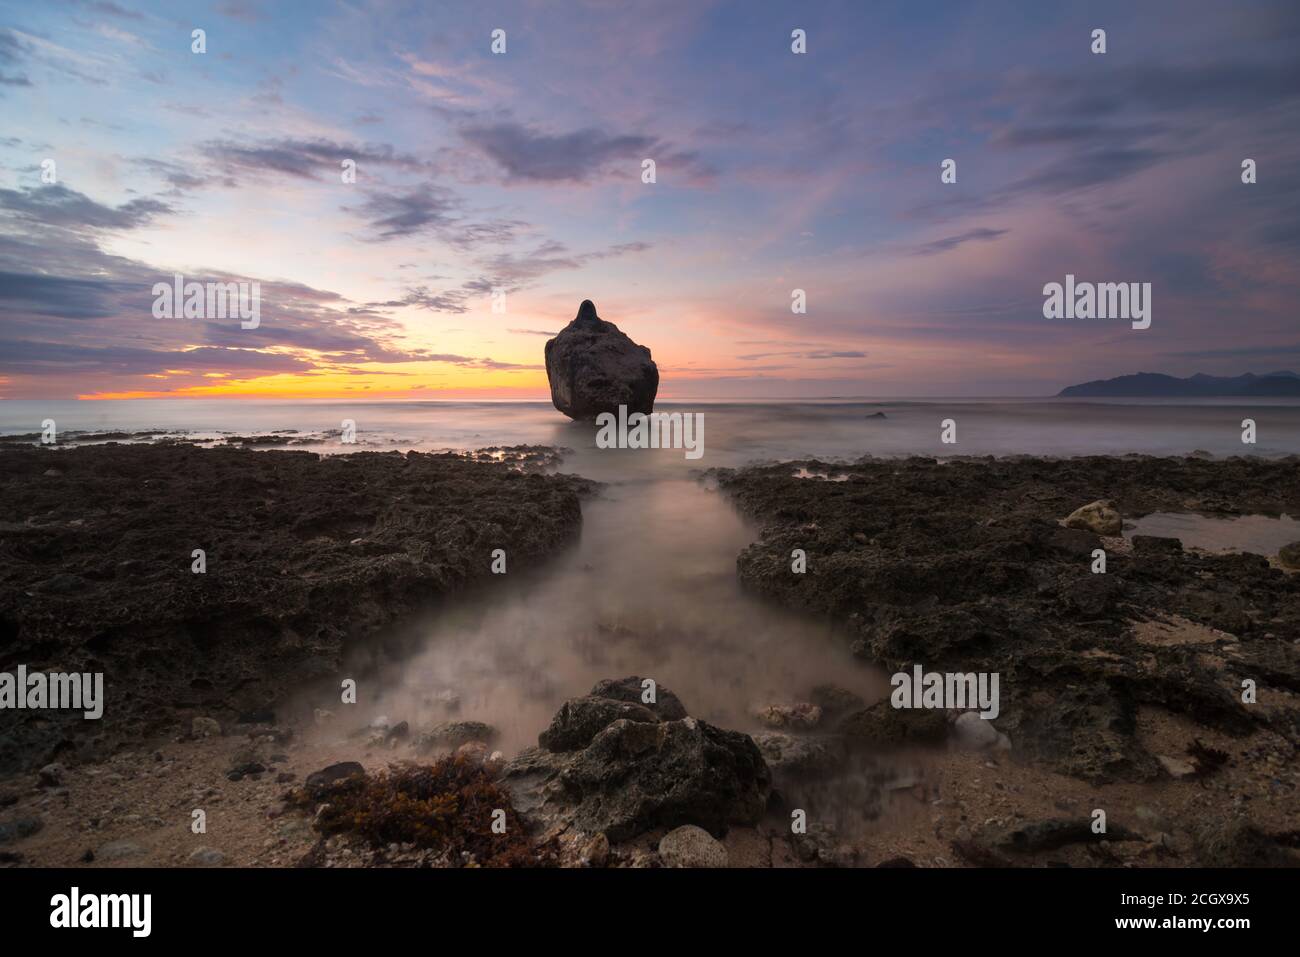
x,y
593,367
636,776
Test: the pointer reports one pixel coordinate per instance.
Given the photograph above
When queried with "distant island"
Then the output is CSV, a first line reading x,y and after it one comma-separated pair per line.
x,y
1199,385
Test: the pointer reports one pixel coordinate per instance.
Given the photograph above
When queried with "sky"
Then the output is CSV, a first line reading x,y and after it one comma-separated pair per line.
x,y
522,172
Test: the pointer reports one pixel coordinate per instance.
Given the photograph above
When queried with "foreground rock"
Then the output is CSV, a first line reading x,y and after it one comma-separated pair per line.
x,y
594,367
640,770
305,554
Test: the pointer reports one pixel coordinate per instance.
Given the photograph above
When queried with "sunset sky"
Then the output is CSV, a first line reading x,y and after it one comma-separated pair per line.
x,y
522,171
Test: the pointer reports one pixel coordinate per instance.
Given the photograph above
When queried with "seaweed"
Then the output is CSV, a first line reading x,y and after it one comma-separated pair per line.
x,y
448,806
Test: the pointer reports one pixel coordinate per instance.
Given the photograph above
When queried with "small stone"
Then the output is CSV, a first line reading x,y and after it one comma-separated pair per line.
x,y
117,850
205,728
1100,517
691,846
50,776
1176,767
207,857
973,732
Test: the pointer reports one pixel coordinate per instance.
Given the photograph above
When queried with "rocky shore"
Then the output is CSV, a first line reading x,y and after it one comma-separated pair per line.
x,y
1121,691
305,556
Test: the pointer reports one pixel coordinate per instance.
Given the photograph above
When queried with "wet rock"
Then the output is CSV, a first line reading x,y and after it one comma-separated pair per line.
x,y
632,689
1100,517
450,735
636,776
691,846
581,719
883,726
593,367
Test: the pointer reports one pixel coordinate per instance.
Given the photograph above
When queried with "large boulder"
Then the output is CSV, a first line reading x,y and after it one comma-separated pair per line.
x,y
636,776
593,367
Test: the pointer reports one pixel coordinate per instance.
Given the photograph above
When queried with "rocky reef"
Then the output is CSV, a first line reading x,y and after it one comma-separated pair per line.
x,y
967,565
304,555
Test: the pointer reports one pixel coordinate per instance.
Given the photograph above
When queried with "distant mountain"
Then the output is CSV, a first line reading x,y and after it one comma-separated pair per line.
x,y
1154,384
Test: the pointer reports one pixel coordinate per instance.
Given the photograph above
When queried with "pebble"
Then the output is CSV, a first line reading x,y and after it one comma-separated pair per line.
x,y
205,728
207,857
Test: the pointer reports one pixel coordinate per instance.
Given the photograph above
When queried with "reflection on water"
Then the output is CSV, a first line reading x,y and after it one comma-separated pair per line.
x,y
1258,534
